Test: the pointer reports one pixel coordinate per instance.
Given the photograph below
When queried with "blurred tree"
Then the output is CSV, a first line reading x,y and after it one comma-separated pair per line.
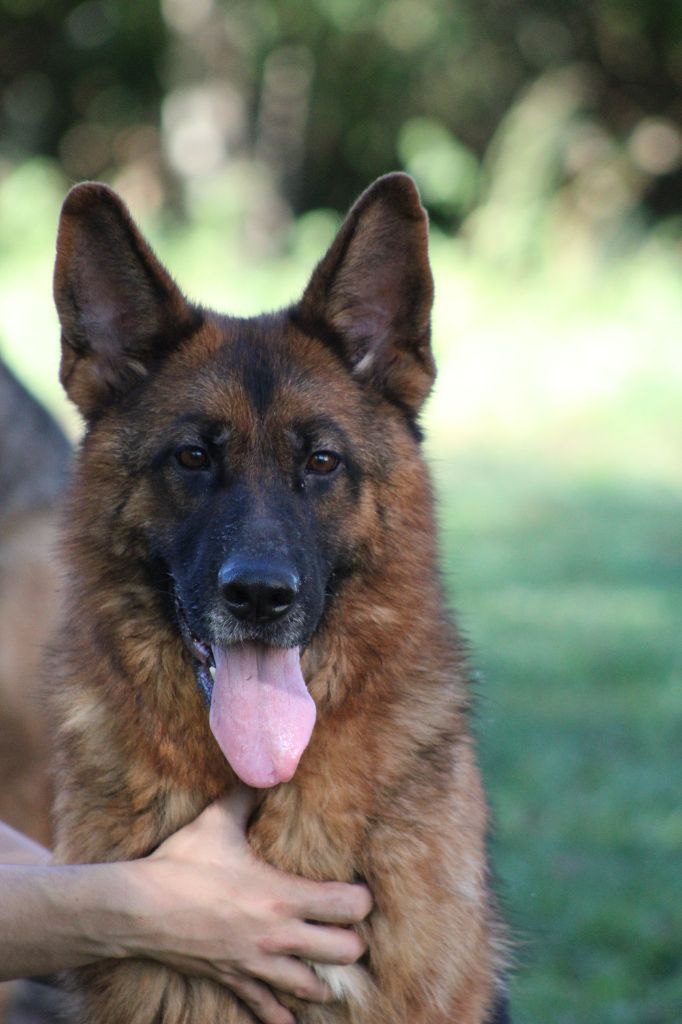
x,y
328,94
77,78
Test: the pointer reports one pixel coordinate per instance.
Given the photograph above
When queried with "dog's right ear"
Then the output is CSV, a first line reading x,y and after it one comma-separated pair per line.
x,y
119,309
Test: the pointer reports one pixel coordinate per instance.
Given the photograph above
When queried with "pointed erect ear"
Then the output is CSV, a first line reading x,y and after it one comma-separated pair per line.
x,y
119,309
371,295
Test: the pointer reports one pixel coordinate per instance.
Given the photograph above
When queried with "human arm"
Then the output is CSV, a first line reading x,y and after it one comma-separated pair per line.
x,y
202,903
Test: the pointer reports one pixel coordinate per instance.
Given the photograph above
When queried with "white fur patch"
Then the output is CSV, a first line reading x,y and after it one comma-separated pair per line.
x,y
350,983
364,364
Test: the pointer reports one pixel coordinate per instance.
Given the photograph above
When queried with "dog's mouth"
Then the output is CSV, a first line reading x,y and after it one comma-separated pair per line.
x,y
260,711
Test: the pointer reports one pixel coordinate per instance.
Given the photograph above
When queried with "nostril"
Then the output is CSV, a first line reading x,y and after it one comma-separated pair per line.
x,y
280,599
237,596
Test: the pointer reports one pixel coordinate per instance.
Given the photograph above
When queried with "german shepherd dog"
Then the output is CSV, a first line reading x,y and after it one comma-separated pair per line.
x,y
253,591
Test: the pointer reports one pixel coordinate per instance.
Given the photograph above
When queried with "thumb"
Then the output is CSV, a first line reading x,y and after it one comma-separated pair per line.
x,y
231,811
220,828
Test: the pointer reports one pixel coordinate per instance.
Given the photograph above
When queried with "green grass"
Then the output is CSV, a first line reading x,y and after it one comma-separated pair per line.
x,y
569,590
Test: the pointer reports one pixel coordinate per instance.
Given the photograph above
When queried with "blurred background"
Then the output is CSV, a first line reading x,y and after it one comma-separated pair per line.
x,y
546,139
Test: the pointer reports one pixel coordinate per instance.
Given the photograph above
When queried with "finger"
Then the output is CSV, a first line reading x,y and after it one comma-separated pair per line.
x,y
261,1001
293,976
332,902
323,943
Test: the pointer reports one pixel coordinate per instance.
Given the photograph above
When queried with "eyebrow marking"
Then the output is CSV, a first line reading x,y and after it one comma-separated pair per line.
x,y
221,435
216,431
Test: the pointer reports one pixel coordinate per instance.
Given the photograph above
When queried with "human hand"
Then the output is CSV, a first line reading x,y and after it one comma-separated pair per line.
x,y
206,905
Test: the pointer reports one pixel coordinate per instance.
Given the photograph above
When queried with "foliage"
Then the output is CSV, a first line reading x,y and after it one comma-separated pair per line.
x,y
75,77
328,94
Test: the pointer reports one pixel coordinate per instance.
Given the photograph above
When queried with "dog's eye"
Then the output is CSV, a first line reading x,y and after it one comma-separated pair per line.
x,y
322,463
192,457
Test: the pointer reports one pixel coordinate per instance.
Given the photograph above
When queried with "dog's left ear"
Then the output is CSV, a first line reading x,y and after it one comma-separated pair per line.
x,y
119,308
371,295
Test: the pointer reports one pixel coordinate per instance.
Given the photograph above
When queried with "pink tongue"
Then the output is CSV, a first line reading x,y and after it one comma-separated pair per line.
x,y
261,712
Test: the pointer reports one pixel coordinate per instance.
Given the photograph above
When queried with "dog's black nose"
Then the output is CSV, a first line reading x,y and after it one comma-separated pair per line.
x,y
257,591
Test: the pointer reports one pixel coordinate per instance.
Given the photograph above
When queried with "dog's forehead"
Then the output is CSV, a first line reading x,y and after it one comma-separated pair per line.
x,y
260,370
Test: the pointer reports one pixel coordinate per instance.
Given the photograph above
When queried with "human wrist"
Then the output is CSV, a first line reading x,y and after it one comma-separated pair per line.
x,y
90,905
137,909
115,917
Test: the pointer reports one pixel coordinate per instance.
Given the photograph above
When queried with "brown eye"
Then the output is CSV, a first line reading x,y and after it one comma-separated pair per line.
x,y
322,463
192,457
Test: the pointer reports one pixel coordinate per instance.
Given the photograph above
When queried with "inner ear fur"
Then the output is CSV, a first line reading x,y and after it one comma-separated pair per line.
x,y
118,307
371,295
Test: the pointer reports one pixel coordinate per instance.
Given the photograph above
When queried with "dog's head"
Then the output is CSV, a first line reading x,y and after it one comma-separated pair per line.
x,y
248,453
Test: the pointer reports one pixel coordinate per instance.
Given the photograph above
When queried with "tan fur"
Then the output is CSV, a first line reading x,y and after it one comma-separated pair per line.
x,y
388,789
